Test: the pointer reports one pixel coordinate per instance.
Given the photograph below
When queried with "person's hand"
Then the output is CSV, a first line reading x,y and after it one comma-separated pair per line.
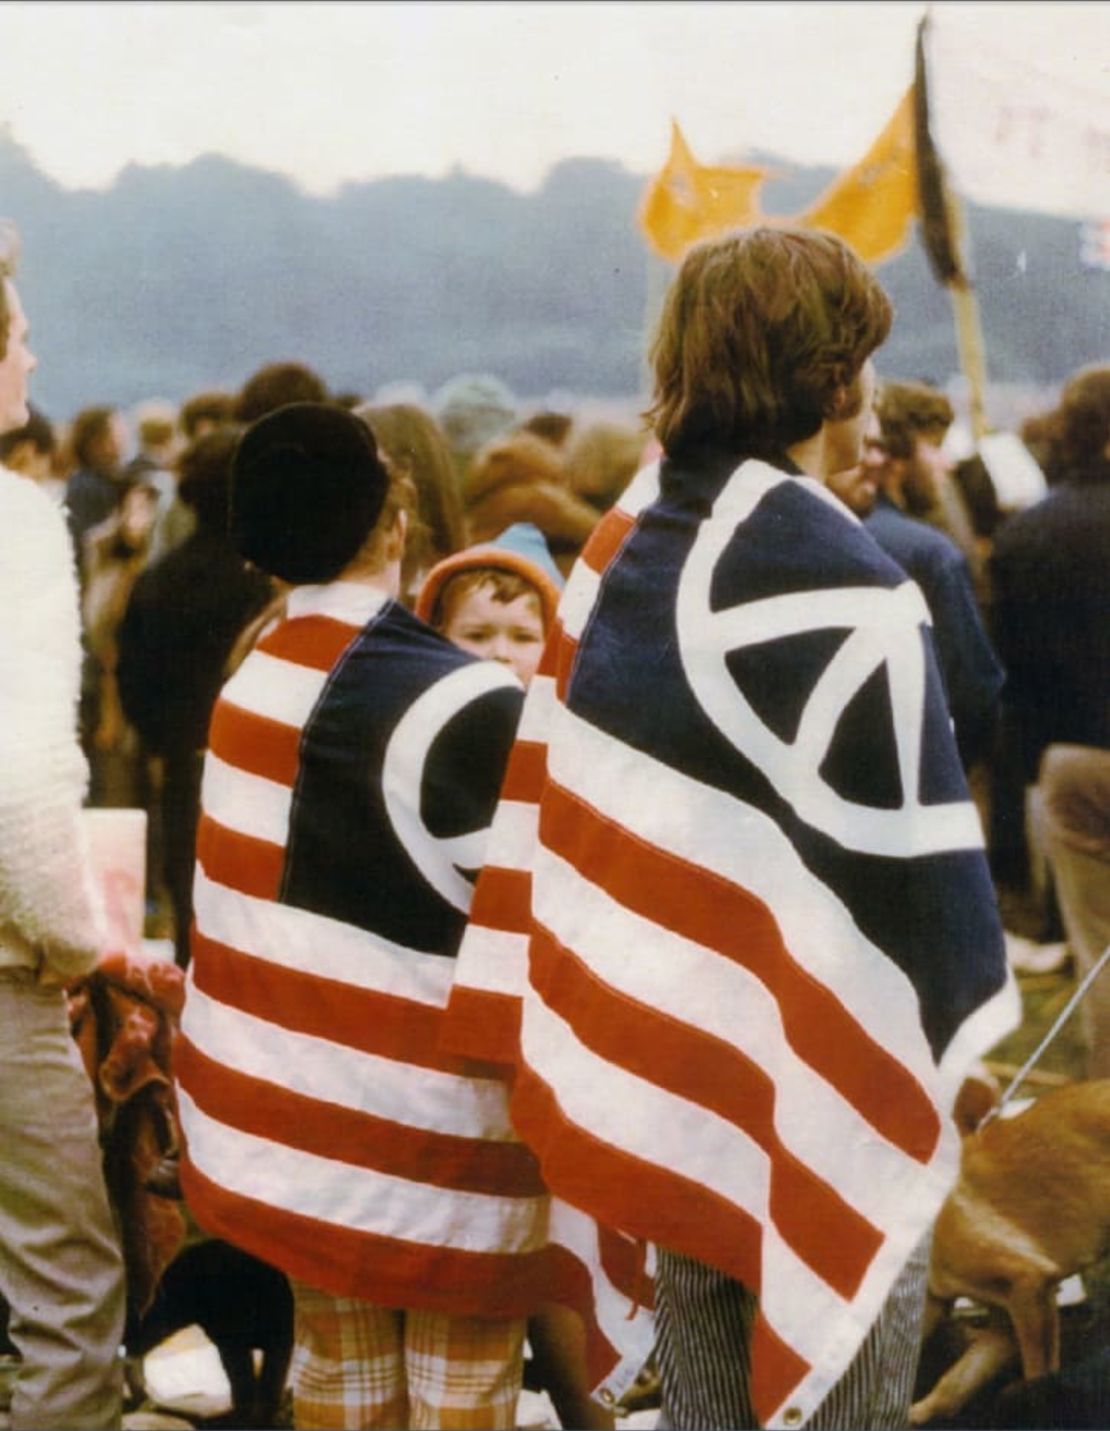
x,y
137,517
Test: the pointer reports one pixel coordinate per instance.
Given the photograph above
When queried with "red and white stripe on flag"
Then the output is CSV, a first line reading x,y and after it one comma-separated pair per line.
x,y
326,1129
603,1274
626,913
492,964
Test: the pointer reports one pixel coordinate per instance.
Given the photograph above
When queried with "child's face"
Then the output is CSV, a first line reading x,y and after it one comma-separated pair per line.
x,y
507,631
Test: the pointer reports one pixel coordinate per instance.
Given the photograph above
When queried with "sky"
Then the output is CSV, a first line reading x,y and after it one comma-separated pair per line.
x,y
329,93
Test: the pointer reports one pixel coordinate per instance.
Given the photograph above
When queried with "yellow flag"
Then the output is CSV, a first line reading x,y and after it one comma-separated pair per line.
x,y
872,205
688,201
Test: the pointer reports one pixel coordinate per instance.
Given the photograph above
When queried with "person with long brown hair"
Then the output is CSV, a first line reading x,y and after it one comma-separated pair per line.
x,y
758,940
413,443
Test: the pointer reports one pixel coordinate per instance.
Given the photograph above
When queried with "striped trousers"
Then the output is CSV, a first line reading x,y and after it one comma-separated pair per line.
x,y
703,1324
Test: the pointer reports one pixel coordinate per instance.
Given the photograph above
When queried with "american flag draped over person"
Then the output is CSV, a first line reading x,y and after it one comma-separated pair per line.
x,y
736,933
327,1129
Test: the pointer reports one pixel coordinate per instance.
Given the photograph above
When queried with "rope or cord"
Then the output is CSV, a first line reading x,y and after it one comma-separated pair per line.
x,y
1062,1018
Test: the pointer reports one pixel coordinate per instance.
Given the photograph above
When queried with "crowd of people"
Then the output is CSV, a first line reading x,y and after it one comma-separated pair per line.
x,y
483,854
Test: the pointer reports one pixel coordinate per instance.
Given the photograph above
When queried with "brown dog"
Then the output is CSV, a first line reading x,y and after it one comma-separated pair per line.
x,y
1031,1207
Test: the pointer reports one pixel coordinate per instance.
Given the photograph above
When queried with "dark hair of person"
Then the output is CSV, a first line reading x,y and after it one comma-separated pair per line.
x,y
505,586
553,427
9,259
277,385
400,496
348,399
760,334
1039,434
414,444
1081,427
204,478
206,407
907,411
601,461
38,430
90,424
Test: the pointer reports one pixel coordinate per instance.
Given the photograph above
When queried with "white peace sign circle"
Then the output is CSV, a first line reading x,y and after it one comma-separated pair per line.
x,y
883,630
439,859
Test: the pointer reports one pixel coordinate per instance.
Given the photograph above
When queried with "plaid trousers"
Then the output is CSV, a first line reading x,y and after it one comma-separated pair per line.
x,y
357,1366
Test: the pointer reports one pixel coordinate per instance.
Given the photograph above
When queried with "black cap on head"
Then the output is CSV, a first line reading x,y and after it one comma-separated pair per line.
x,y
307,489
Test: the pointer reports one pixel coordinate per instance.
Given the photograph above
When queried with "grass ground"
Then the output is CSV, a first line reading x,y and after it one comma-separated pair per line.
x,y
1044,997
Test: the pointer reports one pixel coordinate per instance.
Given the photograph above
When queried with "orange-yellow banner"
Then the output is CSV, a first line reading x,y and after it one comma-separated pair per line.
x,y
871,206
688,201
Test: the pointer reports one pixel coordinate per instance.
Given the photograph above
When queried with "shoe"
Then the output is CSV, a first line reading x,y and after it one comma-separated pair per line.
x,y
1026,957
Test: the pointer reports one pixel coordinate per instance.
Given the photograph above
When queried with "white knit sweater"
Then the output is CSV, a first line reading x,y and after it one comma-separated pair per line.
x,y
49,906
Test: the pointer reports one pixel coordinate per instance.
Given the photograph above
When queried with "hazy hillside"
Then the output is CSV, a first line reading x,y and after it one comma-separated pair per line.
x,y
176,279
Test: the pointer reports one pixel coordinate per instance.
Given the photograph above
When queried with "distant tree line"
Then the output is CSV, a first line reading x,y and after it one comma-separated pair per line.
x,y
176,279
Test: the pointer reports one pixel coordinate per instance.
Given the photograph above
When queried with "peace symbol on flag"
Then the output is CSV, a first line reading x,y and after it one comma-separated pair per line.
x,y
883,628
440,859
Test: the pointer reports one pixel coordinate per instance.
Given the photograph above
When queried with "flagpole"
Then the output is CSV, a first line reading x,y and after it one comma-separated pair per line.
x,y
970,345
947,243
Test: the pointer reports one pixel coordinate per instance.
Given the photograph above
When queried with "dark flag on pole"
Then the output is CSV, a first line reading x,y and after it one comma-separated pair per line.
x,y
937,236
942,236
